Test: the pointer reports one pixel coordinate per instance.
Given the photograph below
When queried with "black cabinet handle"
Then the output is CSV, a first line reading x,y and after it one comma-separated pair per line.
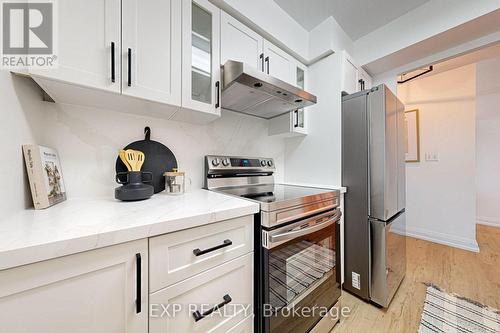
x,y
262,60
267,61
361,84
198,252
113,62
217,101
199,316
296,122
129,58
138,262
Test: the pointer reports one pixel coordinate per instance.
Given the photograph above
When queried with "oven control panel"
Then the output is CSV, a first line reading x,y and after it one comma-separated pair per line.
x,y
214,162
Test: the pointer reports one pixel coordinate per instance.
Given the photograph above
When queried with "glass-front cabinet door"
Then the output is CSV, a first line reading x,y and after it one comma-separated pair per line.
x,y
298,116
201,56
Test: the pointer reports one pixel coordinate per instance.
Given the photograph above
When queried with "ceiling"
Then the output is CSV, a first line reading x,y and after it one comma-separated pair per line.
x,y
489,52
356,17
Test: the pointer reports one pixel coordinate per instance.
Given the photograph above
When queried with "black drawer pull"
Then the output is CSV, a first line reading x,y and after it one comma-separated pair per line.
x,y
138,299
267,62
198,316
198,252
262,60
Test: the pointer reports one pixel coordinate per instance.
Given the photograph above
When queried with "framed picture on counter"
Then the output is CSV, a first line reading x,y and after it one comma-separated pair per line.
x,y
412,136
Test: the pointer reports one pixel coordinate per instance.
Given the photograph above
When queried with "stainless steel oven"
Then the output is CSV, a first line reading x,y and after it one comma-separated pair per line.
x,y
300,279
297,243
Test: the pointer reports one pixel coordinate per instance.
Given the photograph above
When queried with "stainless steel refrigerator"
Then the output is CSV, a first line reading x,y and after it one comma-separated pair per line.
x,y
373,170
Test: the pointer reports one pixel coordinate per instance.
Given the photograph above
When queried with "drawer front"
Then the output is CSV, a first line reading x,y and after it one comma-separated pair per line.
x,y
172,257
244,326
232,281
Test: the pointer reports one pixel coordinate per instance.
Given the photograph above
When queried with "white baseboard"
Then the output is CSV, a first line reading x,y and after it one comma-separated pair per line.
x,y
444,239
489,221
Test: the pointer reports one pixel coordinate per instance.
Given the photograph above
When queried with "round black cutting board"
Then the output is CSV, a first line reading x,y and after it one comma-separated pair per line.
x,y
158,159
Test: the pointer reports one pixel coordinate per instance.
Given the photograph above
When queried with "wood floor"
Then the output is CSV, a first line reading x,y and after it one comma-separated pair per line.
x,y
473,275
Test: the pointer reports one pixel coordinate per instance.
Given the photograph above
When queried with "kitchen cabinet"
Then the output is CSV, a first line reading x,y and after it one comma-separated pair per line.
x,y
349,74
201,57
228,286
240,43
199,268
151,52
293,123
171,255
354,77
93,291
87,51
364,80
278,63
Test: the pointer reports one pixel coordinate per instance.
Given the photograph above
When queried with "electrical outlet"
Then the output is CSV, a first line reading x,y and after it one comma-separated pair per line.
x,y
432,157
356,281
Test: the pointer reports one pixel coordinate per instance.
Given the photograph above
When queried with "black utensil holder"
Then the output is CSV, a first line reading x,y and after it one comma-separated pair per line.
x,y
133,187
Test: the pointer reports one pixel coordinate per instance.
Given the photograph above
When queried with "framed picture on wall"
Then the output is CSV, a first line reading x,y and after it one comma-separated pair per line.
x,y
413,136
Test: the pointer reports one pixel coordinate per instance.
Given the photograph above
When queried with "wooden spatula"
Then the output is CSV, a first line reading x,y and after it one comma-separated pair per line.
x,y
123,157
131,157
139,160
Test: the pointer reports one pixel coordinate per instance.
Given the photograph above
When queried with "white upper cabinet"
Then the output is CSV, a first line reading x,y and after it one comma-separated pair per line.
x,y
278,63
349,74
364,80
293,123
201,56
151,52
240,43
89,36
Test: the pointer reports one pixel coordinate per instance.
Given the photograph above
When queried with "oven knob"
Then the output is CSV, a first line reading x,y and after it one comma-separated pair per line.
x,y
269,163
263,163
215,162
225,162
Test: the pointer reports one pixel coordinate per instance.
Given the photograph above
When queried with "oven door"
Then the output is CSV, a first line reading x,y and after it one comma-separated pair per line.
x,y
301,273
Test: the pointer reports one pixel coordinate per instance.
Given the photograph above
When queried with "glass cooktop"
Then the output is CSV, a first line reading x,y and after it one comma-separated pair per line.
x,y
278,196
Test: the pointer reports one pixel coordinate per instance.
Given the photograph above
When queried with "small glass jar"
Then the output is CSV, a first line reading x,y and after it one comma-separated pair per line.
x,y
175,182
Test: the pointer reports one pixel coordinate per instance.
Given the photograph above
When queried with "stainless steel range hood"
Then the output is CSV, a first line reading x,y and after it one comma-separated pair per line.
x,y
250,91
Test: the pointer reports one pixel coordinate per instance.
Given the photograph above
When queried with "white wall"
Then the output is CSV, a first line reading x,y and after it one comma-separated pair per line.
x,y
441,202
88,141
488,141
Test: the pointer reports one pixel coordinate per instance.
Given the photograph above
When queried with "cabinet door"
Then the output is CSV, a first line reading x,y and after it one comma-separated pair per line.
x,y
88,31
350,75
151,55
201,56
278,63
92,291
367,80
240,43
299,116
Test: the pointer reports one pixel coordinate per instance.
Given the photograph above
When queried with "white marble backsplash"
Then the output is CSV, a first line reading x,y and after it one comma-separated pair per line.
x,y
88,140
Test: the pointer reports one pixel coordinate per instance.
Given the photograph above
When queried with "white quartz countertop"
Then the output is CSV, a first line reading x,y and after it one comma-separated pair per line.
x,y
78,225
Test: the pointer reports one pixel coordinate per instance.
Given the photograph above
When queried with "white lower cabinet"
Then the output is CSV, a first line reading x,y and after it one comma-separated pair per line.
x,y
93,291
172,258
227,287
244,326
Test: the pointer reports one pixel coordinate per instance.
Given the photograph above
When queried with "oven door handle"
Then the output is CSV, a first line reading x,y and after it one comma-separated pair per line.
x,y
301,232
